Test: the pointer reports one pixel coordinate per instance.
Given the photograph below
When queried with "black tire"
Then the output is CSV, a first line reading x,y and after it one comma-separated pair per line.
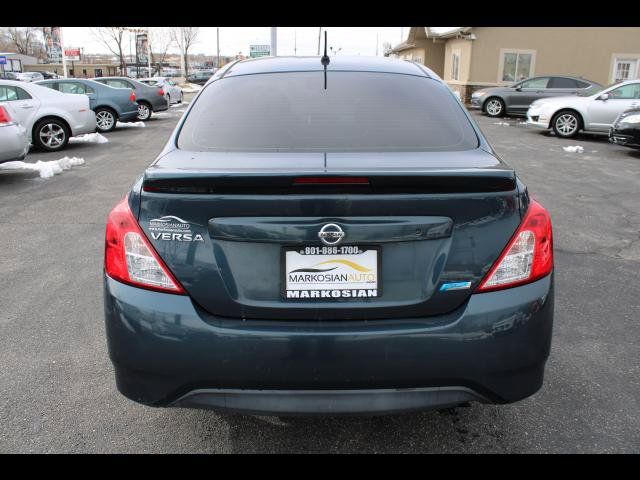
x,y
169,99
494,107
51,134
106,119
181,96
566,123
144,111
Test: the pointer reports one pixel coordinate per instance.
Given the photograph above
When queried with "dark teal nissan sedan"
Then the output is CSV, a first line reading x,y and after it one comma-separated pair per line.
x,y
328,239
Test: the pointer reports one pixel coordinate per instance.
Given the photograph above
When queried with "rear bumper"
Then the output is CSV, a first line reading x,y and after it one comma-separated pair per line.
x,y
168,352
84,123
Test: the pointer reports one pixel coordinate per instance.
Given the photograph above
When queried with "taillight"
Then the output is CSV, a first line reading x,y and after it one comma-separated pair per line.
x,y
132,97
130,258
161,92
5,118
528,255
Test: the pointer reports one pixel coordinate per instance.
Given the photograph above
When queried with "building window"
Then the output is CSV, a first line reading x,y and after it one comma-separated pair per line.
x,y
455,65
625,69
98,72
516,65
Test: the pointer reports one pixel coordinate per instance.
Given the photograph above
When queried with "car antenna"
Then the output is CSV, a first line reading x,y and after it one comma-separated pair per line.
x,y
325,60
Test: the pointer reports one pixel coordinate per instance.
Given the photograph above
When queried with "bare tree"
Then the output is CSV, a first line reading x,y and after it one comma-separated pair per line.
x,y
25,40
160,41
185,37
113,39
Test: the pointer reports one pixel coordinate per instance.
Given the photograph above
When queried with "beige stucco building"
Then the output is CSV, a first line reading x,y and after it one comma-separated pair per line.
x,y
469,58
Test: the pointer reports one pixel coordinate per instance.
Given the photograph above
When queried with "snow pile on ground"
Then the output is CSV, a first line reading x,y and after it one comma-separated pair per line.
x,y
506,124
89,138
177,105
129,124
573,149
190,87
45,169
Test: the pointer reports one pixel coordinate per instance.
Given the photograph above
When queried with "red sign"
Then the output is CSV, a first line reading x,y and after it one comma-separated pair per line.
x,y
72,54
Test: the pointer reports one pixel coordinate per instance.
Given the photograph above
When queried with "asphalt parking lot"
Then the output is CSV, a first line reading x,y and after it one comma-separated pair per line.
x,y
57,392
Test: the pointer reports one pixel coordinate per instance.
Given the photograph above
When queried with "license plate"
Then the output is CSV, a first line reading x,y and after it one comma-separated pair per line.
x,y
330,272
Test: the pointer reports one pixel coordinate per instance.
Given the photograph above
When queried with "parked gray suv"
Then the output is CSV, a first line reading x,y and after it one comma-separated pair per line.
x,y
516,99
150,98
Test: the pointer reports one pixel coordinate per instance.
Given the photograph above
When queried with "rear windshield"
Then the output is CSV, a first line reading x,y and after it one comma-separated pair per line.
x,y
359,111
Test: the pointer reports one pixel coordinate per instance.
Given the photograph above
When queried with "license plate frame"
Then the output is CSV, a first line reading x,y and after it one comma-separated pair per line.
x,y
341,248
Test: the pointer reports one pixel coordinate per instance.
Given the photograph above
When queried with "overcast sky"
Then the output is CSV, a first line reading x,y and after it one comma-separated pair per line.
x,y
352,41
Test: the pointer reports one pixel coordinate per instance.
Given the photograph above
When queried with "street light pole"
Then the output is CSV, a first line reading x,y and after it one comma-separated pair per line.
x,y
319,35
218,44
274,41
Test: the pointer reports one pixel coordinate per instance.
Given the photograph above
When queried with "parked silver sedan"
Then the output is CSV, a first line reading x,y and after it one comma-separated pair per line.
x,y
14,141
172,92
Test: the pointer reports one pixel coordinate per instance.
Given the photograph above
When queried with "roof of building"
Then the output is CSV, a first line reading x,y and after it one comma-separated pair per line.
x,y
423,33
312,64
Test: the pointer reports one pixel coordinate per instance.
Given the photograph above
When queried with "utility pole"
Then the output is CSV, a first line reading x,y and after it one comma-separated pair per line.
x,y
64,58
319,39
274,41
218,45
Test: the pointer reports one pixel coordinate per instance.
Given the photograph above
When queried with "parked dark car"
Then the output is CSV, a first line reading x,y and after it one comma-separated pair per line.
x,y
199,78
626,129
47,75
362,250
110,104
150,98
516,99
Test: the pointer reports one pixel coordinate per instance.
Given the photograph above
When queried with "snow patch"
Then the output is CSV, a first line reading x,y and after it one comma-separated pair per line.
x,y
89,138
506,124
574,149
44,169
130,124
178,105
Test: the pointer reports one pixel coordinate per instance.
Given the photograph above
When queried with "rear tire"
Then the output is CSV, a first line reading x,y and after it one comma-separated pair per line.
x,y
494,107
51,135
144,111
181,96
566,124
106,120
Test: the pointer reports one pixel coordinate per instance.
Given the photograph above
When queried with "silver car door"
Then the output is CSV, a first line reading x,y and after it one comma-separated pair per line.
x,y
604,108
22,104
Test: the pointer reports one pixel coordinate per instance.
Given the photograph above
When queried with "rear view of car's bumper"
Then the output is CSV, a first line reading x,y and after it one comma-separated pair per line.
x,y
14,142
168,352
129,116
85,122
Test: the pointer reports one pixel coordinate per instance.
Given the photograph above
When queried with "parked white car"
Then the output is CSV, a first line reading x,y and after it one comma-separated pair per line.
x,y
172,92
593,113
14,141
29,76
50,117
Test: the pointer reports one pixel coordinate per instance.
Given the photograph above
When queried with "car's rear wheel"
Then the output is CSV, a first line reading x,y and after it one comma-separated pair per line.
x,y
494,107
181,97
51,135
144,112
105,120
566,124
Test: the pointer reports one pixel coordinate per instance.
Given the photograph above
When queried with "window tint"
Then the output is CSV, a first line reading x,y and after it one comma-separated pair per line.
x,y
72,87
118,84
562,82
539,82
22,94
359,111
8,94
583,84
626,92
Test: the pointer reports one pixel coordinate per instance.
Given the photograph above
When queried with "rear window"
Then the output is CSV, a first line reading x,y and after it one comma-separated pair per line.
x,y
359,111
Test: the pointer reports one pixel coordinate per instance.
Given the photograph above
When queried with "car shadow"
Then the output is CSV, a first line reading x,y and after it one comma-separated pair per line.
x,y
477,428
